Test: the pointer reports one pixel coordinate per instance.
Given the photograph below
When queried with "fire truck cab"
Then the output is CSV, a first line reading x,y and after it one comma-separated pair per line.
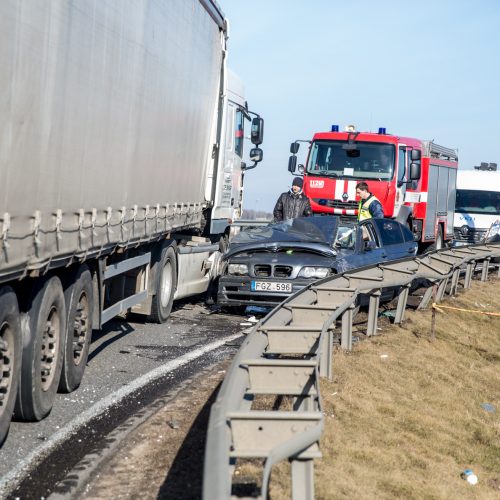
x,y
414,180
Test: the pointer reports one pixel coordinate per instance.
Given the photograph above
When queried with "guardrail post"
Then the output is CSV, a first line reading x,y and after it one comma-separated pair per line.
x,y
441,289
454,281
402,299
469,271
425,299
326,364
303,403
346,337
302,479
486,265
373,313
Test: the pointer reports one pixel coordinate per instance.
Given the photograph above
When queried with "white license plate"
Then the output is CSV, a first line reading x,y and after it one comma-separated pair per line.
x,y
271,286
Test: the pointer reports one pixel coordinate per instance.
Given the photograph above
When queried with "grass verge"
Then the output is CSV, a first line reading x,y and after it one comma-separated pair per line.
x,y
403,415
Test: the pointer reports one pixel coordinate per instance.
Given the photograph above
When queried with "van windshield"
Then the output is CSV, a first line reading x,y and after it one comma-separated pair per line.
x,y
471,201
367,160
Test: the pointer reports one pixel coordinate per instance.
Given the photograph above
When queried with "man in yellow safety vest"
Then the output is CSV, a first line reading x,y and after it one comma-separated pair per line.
x,y
369,206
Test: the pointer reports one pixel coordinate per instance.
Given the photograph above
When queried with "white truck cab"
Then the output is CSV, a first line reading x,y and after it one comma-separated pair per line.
x,y
477,205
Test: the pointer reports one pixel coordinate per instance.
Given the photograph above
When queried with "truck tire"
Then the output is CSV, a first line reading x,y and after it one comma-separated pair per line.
x,y
10,357
78,296
164,286
43,334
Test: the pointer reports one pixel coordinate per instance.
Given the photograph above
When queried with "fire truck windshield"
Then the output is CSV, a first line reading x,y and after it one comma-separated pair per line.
x,y
362,160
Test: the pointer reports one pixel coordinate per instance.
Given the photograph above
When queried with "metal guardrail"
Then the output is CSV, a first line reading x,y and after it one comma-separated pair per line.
x,y
287,352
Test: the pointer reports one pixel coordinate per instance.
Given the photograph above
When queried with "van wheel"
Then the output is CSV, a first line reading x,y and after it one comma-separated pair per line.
x,y
79,299
43,352
165,286
10,357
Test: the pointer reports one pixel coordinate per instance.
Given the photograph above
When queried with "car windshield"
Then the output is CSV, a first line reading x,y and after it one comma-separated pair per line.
x,y
366,160
477,202
316,229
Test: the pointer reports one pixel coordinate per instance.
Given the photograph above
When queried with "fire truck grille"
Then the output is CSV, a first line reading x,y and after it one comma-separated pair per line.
x,y
346,205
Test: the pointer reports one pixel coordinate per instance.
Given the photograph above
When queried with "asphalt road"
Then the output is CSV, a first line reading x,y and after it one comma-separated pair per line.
x,y
130,364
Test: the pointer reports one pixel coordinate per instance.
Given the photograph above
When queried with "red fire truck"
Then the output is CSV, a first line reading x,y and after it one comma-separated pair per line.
x,y
414,180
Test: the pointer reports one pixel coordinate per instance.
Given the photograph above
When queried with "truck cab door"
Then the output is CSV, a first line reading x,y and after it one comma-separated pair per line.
x,y
400,179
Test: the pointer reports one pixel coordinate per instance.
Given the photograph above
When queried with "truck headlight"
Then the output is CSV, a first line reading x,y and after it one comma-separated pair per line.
x,y
238,269
314,272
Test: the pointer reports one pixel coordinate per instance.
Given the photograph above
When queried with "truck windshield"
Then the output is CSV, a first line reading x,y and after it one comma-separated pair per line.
x,y
472,201
369,160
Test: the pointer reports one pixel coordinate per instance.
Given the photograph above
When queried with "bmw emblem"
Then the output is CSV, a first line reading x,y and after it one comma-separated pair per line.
x,y
345,197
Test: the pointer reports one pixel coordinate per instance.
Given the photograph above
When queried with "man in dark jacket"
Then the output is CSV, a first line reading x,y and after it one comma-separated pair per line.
x,y
292,204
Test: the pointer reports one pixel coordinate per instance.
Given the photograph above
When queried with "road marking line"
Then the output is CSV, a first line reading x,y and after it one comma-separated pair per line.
x,y
100,407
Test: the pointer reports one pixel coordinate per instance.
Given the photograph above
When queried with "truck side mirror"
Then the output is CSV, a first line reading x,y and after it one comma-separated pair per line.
x,y
294,147
256,155
415,155
292,163
257,131
414,171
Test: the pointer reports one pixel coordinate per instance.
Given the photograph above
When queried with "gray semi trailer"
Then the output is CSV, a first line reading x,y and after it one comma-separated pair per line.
x,y
121,143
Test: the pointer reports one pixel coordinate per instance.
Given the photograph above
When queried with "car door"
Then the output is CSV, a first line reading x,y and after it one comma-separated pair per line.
x,y
395,238
369,249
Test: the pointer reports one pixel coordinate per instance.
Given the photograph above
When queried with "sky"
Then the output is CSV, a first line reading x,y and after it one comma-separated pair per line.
x,y
426,69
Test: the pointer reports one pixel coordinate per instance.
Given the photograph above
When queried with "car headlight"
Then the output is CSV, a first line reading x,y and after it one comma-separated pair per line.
x,y
238,269
314,272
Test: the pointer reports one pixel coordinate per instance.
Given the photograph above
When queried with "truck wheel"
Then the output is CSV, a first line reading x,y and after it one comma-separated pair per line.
x,y
43,352
165,285
10,357
78,297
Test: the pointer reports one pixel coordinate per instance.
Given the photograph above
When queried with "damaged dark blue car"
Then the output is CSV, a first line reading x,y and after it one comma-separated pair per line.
x,y
266,264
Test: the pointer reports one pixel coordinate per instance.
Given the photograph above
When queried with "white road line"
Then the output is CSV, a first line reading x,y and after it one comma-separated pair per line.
x,y
8,482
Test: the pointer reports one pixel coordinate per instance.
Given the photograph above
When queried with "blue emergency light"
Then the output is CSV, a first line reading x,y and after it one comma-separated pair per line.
x,y
381,130
335,128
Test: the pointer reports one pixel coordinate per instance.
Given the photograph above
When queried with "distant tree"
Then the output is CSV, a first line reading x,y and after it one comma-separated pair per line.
x,y
251,214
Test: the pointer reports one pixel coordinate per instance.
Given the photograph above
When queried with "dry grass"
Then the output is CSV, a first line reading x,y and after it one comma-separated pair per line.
x,y
406,425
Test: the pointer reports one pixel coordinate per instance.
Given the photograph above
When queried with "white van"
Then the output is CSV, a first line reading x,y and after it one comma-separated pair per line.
x,y
477,205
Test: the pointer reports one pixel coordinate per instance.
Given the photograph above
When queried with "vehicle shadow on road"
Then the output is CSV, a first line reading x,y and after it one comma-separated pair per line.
x,y
185,478
115,330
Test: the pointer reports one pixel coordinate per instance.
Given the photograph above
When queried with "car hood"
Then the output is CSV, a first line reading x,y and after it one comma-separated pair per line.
x,y
308,234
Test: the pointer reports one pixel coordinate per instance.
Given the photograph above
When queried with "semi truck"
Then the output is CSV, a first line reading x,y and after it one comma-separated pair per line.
x,y
122,134
415,180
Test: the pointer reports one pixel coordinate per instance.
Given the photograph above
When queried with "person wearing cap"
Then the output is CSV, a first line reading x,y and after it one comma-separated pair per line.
x,y
293,203
369,206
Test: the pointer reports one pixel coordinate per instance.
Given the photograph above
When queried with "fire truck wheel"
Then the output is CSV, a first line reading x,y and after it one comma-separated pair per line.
x,y
10,356
165,285
43,353
78,295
